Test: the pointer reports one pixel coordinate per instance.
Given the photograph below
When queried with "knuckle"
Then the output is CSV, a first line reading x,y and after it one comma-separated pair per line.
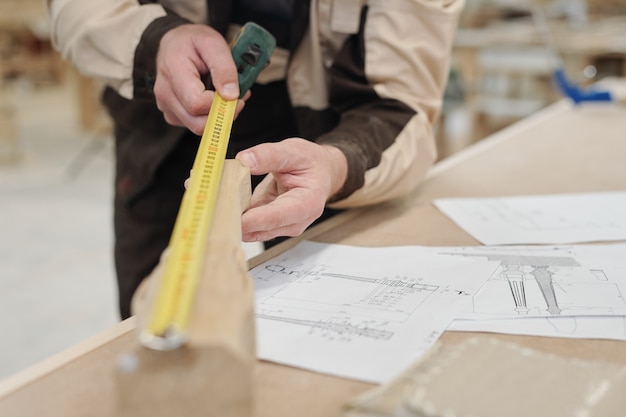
x,y
171,119
195,107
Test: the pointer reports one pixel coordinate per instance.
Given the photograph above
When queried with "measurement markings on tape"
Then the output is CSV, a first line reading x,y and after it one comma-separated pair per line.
x,y
167,321
183,264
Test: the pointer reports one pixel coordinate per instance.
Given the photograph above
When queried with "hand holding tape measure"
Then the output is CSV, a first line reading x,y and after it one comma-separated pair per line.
x,y
165,326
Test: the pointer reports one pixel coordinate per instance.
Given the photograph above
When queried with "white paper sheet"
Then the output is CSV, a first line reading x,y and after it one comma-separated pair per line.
x,y
578,327
541,219
549,281
360,313
367,313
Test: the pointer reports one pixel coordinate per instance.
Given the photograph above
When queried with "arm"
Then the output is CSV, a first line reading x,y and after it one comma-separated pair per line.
x,y
100,37
386,83
145,51
390,100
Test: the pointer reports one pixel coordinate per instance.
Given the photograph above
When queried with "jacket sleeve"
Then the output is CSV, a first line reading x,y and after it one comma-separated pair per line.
x,y
387,83
106,39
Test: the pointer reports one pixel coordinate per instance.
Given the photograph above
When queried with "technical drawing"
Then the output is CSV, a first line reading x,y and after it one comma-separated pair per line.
x,y
337,328
544,282
392,298
367,313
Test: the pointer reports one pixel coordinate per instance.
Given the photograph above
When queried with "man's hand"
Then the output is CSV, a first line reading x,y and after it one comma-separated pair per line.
x,y
186,54
301,177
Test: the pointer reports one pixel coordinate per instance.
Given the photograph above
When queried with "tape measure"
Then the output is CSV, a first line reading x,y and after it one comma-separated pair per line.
x,y
165,326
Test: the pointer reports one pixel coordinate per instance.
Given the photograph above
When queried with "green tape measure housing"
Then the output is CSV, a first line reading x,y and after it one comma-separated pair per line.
x,y
251,49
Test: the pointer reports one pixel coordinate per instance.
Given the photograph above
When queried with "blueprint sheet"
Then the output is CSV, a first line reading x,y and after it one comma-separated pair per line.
x,y
360,313
541,219
559,291
549,281
368,313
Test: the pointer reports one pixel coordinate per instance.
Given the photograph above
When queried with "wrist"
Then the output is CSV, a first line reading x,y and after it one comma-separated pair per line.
x,y
144,63
338,170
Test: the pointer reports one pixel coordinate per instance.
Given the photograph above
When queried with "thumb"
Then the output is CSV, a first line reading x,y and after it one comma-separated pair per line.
x,y
269,157
228,90
248,159
224,77
217,56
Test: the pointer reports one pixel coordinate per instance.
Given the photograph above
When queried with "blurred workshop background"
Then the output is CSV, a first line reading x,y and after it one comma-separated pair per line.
x,y
56,165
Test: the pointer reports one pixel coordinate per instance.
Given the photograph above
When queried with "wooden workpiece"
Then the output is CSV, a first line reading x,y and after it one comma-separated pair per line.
x,y
212,374
562,149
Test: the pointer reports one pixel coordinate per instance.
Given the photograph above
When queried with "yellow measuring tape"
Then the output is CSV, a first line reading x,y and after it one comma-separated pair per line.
x,y
166,324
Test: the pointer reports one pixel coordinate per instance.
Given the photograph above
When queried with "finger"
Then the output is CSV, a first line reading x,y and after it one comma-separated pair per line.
x,y
186,183
282,156
193,100
180,66
265,192
176,114
197,122
178,108
293,229
264,235
292,212
167,102
240,105
217,56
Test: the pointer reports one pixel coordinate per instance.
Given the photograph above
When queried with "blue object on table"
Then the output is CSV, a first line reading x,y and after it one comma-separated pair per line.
x,y
577,94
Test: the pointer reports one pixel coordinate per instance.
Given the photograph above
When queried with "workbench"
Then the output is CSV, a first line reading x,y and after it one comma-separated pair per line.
x,y
561,149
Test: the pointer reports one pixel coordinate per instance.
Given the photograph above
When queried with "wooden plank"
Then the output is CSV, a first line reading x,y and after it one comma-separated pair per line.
x,y
212,374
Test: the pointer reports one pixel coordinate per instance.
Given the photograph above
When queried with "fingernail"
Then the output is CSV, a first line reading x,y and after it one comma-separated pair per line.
x,y
230,91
